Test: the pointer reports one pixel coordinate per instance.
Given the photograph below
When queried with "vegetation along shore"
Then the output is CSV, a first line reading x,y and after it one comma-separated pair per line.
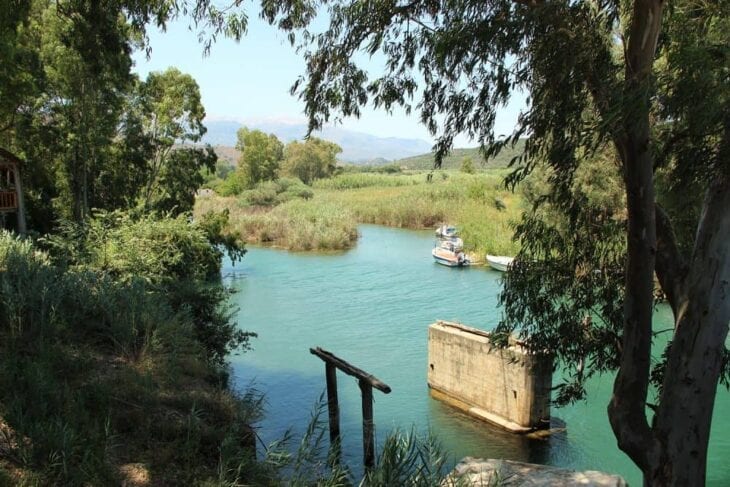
x,y
326,217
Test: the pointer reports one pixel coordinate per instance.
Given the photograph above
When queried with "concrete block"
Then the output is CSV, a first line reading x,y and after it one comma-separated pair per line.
x,y
505,386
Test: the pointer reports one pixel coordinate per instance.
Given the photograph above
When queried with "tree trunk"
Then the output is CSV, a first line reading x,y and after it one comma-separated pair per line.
x,y
694,364
627,408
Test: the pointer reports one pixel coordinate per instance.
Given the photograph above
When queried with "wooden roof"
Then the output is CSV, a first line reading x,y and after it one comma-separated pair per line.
x,y
9,157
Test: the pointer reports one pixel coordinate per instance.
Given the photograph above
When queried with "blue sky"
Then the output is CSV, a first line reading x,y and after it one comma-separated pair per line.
x,y
249,81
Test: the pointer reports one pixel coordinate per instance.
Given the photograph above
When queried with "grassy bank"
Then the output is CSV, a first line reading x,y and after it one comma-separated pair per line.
x,y
112,358
328,220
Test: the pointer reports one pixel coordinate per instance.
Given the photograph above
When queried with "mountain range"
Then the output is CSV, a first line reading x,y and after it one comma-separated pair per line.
x,y
357,147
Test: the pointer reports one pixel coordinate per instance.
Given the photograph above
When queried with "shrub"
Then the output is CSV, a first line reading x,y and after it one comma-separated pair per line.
x,y
272,193
175,257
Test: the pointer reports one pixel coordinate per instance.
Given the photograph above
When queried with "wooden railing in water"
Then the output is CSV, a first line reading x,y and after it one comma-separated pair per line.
x,y
366,382
8,200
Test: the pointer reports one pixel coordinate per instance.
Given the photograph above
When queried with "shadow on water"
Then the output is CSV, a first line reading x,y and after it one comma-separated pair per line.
x,y
292,400
485,440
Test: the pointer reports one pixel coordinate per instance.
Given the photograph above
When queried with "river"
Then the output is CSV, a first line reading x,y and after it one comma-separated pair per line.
x,y
372,305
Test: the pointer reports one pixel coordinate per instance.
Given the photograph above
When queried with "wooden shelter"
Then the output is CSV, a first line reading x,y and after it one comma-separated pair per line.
x,y
11,190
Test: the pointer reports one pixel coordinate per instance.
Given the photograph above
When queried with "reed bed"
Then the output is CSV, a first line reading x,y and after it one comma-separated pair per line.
x,y
294,225
479,204
366,180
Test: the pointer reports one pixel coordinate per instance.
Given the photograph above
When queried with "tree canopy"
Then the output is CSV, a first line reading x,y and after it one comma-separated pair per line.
x,y
261,156
312,159
616,81
91,134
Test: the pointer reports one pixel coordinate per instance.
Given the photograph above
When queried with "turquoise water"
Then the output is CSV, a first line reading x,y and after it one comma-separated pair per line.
x,y
372,306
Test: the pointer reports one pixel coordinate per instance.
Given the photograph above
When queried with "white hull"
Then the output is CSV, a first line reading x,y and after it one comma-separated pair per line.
x,y
449,259
499,262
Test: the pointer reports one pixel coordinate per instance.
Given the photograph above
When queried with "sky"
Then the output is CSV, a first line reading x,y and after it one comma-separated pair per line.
x,y
249,81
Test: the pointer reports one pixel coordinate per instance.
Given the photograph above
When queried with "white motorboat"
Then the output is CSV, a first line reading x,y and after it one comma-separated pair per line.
x,y
499,262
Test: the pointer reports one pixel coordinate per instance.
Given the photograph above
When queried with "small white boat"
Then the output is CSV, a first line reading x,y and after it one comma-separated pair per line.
x,y
499,262
446,231
450,254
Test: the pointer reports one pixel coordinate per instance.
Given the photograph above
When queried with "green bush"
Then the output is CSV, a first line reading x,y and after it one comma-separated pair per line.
x,y
175,257
273,193
262,195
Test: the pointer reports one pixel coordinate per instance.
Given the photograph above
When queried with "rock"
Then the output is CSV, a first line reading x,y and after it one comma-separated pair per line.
x,y
134,475
480,472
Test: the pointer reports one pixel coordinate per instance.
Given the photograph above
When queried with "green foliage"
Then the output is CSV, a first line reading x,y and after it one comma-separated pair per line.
x,y
565,290
172,113
392,168
467,165
90,134
357,180
215,227
174,257
180,178
235,183
313,159
272,193
298,225
401,200
261,156
406,459
223,169
108,346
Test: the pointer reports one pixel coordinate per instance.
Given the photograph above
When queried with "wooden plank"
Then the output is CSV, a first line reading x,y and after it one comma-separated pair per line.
x,y
333,408
368,427
349,369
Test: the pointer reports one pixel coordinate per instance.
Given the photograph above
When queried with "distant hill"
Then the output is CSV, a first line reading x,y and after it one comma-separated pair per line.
x,y
227,154
357,147
456,157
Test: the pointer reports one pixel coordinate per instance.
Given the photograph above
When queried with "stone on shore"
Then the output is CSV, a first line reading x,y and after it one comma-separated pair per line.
x,y
493,472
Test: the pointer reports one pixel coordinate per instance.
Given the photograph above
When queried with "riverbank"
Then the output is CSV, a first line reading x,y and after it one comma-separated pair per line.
x,y
327,220
114,339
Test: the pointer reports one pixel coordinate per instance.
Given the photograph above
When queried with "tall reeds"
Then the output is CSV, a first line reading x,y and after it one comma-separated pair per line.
x,y
479,204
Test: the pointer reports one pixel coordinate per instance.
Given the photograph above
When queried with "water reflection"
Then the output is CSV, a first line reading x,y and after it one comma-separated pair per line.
x,y
489,441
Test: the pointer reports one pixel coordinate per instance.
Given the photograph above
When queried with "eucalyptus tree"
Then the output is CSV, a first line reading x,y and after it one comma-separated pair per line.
x,y
599,76
173,117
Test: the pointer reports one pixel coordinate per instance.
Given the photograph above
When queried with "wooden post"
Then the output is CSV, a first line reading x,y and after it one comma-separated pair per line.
x,y
22,228
366,382
368,439
333,408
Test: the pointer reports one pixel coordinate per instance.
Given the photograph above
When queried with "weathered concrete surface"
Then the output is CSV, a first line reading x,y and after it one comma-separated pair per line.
x,y
483,473
507,387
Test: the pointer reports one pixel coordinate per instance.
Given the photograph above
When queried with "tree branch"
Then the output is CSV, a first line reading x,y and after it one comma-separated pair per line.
x,y
529,3
671,266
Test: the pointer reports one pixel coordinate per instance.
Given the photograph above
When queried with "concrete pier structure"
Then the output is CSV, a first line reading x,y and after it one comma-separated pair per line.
x,y
505,386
